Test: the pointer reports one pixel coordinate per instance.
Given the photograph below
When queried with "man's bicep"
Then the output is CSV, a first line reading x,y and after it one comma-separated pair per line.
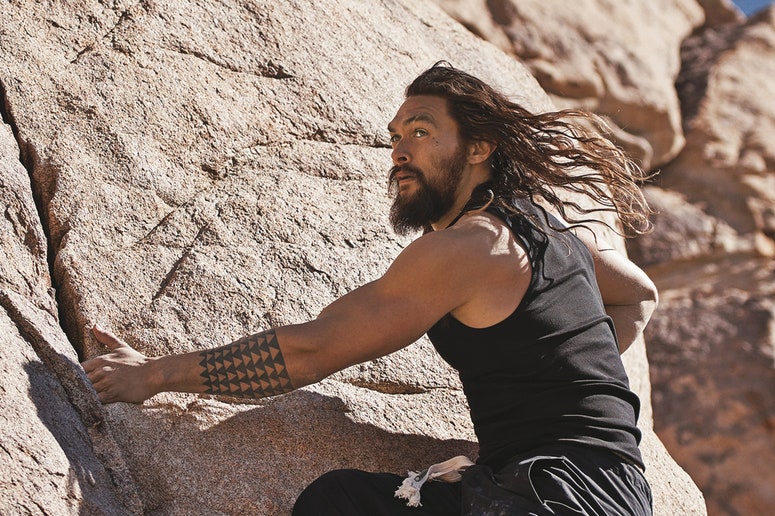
x,y
367,323
375,319
621,282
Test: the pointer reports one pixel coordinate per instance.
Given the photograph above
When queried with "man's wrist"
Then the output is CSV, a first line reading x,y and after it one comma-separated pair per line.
x,y
159,376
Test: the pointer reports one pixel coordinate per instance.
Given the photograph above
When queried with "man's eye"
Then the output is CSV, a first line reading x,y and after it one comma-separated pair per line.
x,y
419,132
394,138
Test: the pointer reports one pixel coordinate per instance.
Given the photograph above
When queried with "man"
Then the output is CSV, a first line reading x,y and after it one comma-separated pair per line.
x,y
533,319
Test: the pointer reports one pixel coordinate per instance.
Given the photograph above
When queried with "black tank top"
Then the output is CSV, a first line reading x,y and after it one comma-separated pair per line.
x,y
551,371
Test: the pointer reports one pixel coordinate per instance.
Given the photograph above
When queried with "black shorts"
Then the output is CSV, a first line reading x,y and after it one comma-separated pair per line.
x,y
555,480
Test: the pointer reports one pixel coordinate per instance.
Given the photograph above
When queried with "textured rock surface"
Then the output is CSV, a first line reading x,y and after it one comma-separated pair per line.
x,y
617,58
48,466
207,171
23,265
711,342
58,455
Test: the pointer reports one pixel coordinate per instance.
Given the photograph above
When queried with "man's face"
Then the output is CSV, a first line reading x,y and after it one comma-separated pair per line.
x,y
428,160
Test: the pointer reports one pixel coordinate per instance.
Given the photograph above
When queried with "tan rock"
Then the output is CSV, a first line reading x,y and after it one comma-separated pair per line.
x,y
59,456
711,341
48,466
718,423
209,171
720,12
729,157
23,265
682,232
618,59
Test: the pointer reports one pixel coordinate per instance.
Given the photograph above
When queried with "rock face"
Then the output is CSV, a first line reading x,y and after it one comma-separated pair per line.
x,y
59,456
711,343
618,59
202,172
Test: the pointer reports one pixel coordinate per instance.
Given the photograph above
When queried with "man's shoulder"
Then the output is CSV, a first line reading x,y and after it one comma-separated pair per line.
x,y
474,237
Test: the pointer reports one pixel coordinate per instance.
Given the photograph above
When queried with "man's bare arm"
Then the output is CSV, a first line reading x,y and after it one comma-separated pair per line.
x,y
629,295
431,277
251,367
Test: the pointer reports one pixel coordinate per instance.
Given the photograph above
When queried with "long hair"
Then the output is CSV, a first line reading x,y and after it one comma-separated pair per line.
x,y
538,156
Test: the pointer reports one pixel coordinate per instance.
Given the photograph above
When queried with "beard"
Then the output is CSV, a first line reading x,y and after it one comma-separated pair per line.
x,y
430,200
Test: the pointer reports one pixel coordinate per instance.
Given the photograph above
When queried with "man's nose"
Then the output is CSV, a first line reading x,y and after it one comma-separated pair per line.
x,y
399,155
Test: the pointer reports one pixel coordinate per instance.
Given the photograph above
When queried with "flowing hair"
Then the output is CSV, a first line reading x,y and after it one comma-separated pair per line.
x,y
537,156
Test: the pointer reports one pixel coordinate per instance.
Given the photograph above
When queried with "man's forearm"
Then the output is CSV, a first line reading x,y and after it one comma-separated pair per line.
x,y
629,321
251,367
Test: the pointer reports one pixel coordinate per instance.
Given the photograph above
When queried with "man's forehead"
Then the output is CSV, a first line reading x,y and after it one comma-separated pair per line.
x,y
420,108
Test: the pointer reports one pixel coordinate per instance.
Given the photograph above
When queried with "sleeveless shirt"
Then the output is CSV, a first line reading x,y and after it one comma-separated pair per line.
x,y
550,372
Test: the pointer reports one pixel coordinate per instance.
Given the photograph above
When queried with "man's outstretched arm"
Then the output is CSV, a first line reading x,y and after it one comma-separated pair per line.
x,y
250,367
269,363
433,276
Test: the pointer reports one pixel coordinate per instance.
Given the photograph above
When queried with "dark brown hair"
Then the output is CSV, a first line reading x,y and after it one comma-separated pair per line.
x,y
538,155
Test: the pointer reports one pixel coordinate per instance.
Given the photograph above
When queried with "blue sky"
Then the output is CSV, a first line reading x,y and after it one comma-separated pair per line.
x,y
750,7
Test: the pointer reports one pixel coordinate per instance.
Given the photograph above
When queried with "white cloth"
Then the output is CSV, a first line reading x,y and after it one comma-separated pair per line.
x,y
448,471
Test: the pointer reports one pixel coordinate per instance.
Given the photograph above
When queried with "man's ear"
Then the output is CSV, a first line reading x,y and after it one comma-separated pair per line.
x,y
480,151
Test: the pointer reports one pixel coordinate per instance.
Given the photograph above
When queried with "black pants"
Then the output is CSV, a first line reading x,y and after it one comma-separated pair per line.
x,y
556,480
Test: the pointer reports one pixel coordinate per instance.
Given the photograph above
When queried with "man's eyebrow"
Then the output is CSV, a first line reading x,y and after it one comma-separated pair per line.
x,y
419,117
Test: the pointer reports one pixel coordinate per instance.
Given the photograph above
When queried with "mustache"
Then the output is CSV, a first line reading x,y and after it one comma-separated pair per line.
x,y
403,168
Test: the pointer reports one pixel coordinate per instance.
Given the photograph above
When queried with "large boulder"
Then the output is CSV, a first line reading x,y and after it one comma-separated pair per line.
x,y
59,455
619,59
711,342
203,172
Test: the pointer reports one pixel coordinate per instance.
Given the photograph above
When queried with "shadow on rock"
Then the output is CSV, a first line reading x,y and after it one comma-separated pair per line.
x,y
205,455
88,482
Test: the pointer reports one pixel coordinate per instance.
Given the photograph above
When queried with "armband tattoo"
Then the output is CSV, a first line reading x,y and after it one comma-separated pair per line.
x,y
252,367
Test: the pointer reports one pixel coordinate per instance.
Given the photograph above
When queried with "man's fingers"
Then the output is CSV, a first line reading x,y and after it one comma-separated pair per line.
x,y
96,373
102,385
107,338
104,396
89,366
98,385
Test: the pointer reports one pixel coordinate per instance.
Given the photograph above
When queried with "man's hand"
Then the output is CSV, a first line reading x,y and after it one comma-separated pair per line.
x,y
121,375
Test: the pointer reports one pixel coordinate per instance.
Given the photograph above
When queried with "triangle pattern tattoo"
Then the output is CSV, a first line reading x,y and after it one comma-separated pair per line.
x,y
251,367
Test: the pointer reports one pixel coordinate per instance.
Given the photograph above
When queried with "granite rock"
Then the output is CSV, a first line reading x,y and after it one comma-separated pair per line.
x,y
205,171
